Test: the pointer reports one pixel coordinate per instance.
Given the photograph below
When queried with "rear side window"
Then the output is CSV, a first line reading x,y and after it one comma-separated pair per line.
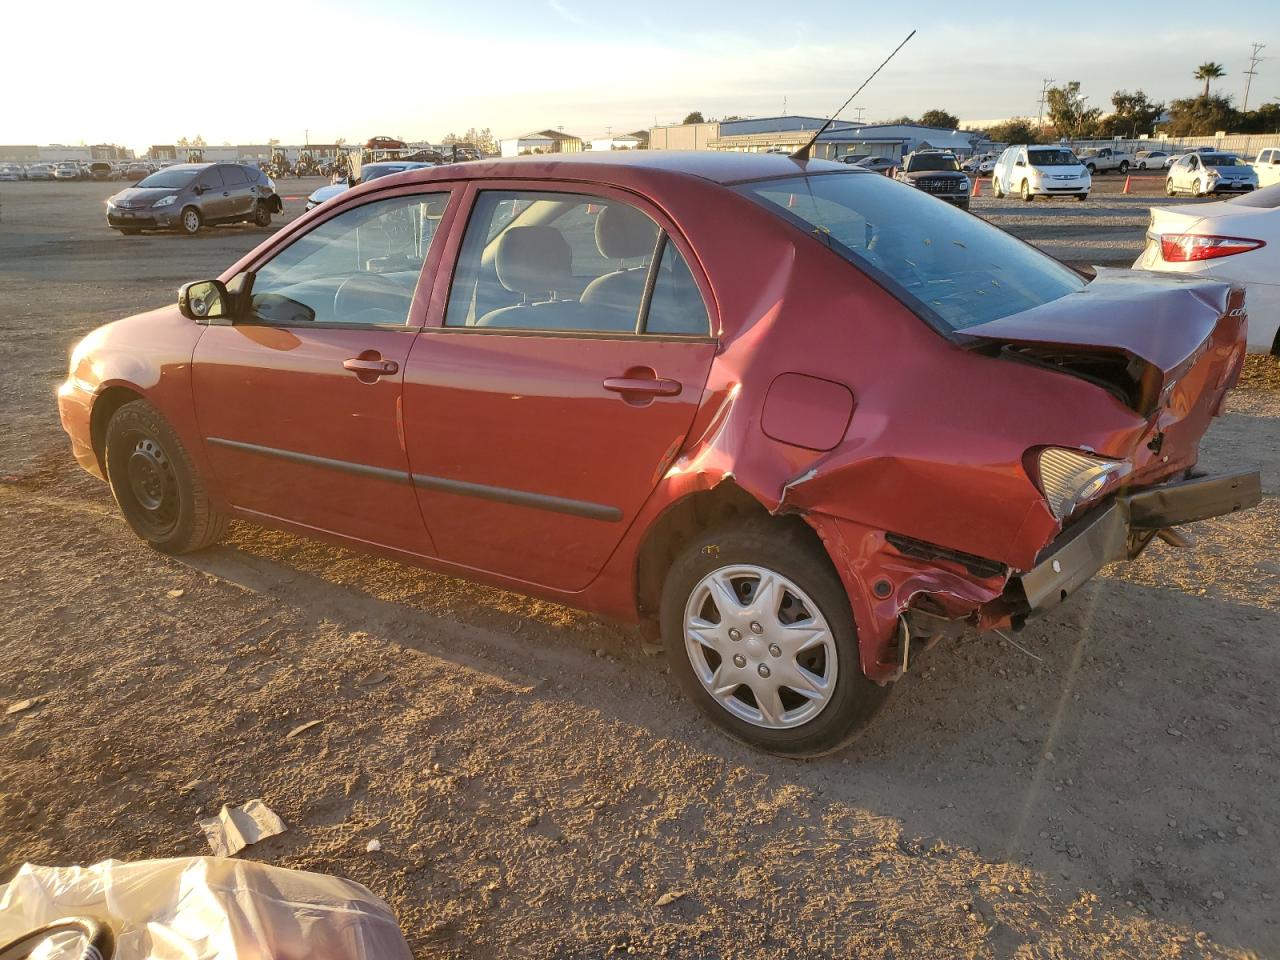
x,y
954,269
233,175
211,178
571,263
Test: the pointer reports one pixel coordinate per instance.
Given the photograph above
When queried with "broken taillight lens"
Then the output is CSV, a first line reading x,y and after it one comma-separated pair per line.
x,y
1070,479
1185,247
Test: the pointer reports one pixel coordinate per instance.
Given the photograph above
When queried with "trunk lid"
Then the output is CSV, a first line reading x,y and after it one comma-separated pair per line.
x,y
1134,334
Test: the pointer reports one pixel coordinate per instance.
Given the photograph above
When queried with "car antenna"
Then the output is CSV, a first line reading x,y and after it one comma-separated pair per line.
x,y
803,152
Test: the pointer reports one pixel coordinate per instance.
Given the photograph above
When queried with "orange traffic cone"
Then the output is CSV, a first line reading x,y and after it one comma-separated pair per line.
x,y
977,187
1126,185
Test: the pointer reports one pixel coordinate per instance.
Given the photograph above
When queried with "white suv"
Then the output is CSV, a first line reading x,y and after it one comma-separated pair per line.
x,y
1267,167
1031,171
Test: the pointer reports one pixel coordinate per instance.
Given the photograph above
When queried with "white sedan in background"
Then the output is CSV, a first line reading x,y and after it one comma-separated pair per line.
x,y
1236,240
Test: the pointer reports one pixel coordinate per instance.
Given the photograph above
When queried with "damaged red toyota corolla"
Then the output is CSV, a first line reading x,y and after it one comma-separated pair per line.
x,y
794,417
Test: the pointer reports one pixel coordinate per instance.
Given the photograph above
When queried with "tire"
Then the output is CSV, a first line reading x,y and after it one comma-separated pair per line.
x,y
190,222
261,214
162,497
1082,196
1026,192
995,188
736,558
1092,168
1169,189
130,231
1142,164
1124,167
1195,188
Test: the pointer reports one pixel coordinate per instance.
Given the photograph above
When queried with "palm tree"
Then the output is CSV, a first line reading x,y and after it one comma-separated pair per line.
x,y
1209,71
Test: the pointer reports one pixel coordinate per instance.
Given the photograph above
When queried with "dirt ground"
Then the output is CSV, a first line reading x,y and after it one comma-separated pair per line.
x,y
537,784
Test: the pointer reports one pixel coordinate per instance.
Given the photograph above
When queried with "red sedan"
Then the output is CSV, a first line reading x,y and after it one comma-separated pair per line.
x,y
794,418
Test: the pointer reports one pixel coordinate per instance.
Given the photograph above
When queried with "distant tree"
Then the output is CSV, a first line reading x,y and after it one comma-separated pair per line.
x,y
940,119
184,142
340,142
198,141
901,120
731,117
1200,116
1266,119
1068,113
1209,71
694,117
1134,114
1017,130
450,138
273,142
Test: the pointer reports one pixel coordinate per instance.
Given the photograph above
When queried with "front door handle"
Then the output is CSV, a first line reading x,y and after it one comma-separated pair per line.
x,y
656,387
369,368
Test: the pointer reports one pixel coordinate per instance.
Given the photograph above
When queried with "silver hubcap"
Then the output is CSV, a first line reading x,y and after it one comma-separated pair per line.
x,y
192,221
760,646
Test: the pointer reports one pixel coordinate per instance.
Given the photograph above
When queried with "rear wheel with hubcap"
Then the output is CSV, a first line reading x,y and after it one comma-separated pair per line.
x,y
1196,188
995,188
1026,192
759,633
189,223
155,484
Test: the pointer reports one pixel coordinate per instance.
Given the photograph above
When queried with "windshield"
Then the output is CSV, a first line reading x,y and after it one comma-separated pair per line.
x,y
373,171
172,179
933,161
953,269
1220,160
1052,158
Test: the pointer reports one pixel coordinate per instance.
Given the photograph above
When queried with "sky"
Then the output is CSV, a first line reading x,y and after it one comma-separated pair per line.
x,y
152,73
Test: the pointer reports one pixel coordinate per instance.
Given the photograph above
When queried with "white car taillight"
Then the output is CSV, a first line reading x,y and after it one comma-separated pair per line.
x,y
1185,247
1069,479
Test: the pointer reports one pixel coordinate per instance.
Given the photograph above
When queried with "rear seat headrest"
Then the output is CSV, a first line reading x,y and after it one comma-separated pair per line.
x,y
623,232
533,260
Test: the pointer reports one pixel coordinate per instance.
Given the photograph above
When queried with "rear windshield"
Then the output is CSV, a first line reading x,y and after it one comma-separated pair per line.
x,y
932,161
1052,158
173,179
1268,198
953,269
1220,160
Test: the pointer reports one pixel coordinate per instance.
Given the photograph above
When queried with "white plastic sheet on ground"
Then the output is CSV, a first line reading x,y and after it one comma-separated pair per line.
x,y
207,908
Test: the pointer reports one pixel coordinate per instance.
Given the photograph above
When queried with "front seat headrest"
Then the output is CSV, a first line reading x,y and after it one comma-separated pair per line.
x,y
623,232
533,260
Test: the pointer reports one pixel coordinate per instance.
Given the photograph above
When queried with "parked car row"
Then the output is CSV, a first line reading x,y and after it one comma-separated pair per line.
x,y
81,170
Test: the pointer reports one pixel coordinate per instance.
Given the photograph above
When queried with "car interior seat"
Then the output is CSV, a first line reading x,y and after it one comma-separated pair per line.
x,y
622,233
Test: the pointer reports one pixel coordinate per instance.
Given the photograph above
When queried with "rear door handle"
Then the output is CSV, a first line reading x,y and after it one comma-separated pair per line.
x,y
643,385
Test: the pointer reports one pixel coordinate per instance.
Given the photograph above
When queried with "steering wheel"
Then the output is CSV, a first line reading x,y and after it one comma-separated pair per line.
x,y
96,940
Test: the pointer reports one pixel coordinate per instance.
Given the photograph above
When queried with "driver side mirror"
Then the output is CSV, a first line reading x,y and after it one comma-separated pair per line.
x,y
204,300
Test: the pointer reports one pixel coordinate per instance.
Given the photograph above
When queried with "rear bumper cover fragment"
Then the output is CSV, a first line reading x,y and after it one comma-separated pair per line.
x,y
1123,527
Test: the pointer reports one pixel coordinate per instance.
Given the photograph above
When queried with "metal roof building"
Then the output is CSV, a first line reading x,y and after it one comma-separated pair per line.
x,y
893,140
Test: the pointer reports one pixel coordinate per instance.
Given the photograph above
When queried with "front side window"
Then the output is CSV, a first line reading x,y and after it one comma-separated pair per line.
x,y
955,270
359,267
570,262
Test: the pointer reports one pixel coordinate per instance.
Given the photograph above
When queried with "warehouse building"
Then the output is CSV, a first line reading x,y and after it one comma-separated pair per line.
x,y
788,133
541,141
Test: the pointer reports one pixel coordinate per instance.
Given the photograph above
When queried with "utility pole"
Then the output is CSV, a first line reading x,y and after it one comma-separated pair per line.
x,y
1044,97
859,111
1249,74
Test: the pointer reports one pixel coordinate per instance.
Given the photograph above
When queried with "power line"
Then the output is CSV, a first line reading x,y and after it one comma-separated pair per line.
x,y
1249,74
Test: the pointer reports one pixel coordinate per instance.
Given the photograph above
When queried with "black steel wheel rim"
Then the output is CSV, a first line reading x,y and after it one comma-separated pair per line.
x,y
152,484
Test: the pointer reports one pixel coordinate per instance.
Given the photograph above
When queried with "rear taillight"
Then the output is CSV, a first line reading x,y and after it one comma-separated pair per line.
x,y
1184,247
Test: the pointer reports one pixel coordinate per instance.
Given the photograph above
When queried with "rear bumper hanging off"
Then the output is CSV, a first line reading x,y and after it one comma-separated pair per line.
x,y
1123,527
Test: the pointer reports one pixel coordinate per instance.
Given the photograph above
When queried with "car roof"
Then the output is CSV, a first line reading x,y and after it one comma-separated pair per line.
x,y
627,166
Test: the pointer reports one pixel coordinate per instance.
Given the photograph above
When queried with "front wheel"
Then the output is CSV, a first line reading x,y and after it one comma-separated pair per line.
x,y
1124,167
161,495
190,221
1169,189
1091,168
261,214
759,633
1082,196
1196,188
1026,192
995,188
